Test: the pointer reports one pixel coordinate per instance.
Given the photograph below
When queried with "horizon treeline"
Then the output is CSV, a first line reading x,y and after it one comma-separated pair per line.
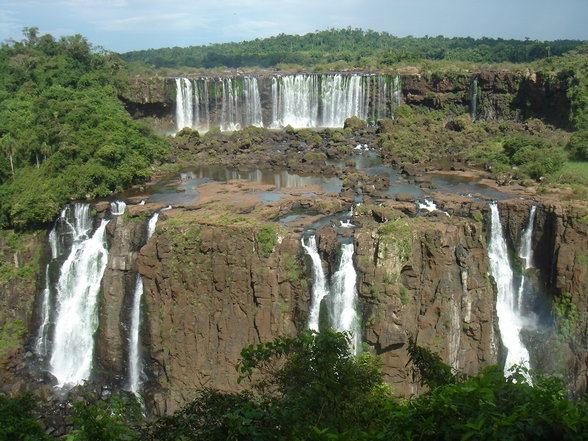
x,y
354,46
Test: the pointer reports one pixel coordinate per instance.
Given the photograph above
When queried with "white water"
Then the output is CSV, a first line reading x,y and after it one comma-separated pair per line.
x,y
73,222
509,320
41,342
184,104
526,256
474,99
343,298
135,368
298,100
429,205
118,208
77,301
295,100
396,94
319,283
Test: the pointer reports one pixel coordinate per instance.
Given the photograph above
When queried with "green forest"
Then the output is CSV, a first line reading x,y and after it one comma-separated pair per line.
x,y
310,388
64,134
355,47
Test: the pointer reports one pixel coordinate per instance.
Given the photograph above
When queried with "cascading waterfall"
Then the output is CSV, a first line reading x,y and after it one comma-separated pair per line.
x,y
319,283
76,315
395,94
295,101
343,298
474,99
298,100
118,208
184,104
509,319
134,383
526,256
343,97
41,344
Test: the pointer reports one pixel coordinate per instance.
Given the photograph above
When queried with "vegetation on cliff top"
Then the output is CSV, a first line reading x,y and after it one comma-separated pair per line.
x,y
349,48
64,133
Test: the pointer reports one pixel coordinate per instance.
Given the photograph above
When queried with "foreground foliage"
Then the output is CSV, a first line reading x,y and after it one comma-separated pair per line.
x,y
64,134
311,388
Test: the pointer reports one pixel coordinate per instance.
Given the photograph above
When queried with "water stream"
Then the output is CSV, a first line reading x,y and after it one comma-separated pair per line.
x,y
134,381
298,100
319,282
76,299
510,321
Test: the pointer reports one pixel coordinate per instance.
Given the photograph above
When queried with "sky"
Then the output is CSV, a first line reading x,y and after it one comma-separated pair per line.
x,y
125,25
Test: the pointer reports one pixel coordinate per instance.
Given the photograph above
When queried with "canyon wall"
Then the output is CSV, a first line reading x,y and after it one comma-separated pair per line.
x,y
499,95
212,288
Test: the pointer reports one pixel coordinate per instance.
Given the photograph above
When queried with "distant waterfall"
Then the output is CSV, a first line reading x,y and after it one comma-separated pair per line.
x,y
306,100
343,96
184,104
295,101
340,295
319,283
76,315
474,99
134,337
117,208
343,298
509,318
241,104
395,94
526,256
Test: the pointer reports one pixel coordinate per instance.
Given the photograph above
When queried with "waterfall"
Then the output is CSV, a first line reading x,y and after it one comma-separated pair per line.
x,y
526,256
117,208
474,99
343,298
72,225
134,337
296,101
395,94
381,105
241,104
184,106
76,315
252,102
319,283
342,96
509,319
299,100
41,344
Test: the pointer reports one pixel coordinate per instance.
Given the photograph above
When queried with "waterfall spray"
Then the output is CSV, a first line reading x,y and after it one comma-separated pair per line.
x,y
509,319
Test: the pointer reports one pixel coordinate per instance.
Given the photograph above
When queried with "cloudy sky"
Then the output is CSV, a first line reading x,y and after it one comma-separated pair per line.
x,y
123,25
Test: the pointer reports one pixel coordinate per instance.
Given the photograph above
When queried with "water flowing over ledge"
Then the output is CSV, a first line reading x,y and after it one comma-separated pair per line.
x,y
340,297
76,310
296,100
510,320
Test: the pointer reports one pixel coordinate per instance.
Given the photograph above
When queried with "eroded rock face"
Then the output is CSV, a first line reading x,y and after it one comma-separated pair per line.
x,y
561,249
502,95
210,291
213,286
427,278
125,237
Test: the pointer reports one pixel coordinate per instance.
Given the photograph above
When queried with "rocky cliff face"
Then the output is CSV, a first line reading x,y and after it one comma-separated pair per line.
x,y
210,291
214,287
20,283
501,95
